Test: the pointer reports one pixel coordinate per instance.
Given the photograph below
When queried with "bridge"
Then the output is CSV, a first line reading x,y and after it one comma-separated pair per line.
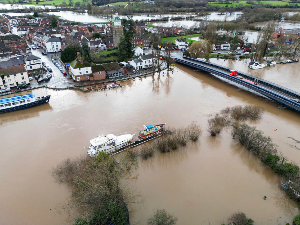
x,y
275,92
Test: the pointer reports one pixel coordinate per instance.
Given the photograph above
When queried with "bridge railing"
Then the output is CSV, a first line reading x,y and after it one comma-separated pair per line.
x,y
265,92
253,78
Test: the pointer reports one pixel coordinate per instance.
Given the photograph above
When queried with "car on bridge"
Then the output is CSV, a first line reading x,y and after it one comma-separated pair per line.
x,y
295,100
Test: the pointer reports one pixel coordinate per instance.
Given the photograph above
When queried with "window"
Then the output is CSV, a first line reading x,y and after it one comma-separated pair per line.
x,y
87,77
22,78
21,73
78,78
79,72
9,80
99,72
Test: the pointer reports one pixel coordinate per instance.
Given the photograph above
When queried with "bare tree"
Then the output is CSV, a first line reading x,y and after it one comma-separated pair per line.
x,y
201,49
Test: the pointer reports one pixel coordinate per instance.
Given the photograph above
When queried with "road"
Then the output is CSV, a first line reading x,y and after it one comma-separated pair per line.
x,y
58,79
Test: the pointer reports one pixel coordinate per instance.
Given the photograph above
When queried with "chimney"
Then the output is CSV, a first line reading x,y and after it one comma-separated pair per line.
x,y
79,57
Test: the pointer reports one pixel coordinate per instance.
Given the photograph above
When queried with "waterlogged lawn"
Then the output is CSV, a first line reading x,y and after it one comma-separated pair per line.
x,y
172,39
49,3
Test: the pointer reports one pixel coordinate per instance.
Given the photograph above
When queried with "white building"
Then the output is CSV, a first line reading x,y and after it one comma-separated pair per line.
x,y
136,63
52,44
33,62
143,62
78,70
138,51
12,73
181,44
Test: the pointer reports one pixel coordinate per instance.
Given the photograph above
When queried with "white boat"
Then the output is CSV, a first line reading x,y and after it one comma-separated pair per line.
x,y
109,143
256,65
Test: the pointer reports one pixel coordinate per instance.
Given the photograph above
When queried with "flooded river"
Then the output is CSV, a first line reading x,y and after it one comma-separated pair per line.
x,y
201,184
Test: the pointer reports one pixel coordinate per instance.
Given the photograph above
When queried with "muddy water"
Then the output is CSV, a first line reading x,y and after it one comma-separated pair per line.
x,y
202,183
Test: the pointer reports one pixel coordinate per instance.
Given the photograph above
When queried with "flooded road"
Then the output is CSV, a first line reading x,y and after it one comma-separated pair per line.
x,y
201,184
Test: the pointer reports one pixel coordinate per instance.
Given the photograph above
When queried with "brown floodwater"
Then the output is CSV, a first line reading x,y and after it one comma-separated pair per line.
x,y
201,184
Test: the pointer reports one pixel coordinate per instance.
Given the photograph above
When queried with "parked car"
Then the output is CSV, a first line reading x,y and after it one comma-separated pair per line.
x,y
49,69
30,78
21,86
6,89
49,75
295,100
44,53
43,63
33,47
64,73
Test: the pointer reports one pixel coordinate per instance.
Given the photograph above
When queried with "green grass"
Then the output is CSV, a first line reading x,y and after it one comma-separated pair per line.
x,y
119,3
108,52
275,2
149,25
172,39
235,4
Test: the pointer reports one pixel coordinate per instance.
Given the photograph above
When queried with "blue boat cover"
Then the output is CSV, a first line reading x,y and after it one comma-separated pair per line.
x,y
15,98
149,126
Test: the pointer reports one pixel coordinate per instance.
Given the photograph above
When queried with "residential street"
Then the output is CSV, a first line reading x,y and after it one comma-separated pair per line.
x,y
58,79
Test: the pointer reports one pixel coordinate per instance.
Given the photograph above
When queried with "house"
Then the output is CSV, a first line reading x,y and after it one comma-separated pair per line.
x,y
98,72
140,41
181,43
148,60
113,70
33,62
79,70
138,51
137,63
52,44
142,62
13,73
109,43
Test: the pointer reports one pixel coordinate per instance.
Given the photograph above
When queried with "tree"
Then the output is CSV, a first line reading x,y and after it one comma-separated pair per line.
x,y
96,35
234,44
35,14
71,3
266,37
54,22
210,33
168,49
125,50
77,4
70,53
201,49
162,217
96,190
85,51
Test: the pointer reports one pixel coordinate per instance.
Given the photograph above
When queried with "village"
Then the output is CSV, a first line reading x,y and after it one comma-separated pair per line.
x,y
31,48
30,54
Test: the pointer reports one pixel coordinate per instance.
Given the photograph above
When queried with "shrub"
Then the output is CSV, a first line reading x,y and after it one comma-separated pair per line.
x,y
240,219
216,124
194,132
162,217
162,146
254,140
297,220
147,152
